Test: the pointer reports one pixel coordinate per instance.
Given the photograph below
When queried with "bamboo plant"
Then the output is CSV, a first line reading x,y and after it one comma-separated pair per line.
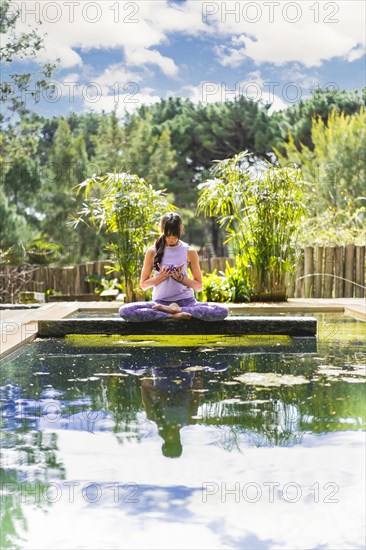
x,y
129,209
261,215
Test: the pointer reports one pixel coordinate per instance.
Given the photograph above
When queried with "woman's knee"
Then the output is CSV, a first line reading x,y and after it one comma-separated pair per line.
x,y
123,311
220,311
126,310
223,312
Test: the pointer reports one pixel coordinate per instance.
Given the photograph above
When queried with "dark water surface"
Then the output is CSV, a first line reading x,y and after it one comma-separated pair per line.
x,y
185,443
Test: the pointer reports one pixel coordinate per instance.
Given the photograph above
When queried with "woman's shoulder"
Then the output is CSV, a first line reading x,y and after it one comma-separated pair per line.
x,y
186,245
151,250
191,250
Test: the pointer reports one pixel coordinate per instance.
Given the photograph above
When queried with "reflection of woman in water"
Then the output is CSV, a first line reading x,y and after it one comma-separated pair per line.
x,y
170,401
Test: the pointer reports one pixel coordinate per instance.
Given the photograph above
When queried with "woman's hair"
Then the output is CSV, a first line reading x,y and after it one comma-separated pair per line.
x,y
170,224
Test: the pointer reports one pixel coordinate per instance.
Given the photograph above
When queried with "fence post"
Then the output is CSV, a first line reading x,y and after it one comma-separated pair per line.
x,y
299,281
309,272
64,281
215,263
318,270
360,271
46,278
339,272
82,275
204,266
349,270
77,282
329,255
71,279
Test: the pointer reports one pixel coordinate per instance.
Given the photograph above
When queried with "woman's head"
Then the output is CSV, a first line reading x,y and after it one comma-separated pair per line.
x,y
171,228
171,224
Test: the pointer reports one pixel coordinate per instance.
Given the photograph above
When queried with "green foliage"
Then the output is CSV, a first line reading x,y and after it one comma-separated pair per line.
x,y
52,292
199,133
229,286
335,227
298,118
237,285
128,209
109,143
214,288
15,87
13,227
5,255
261,216
41,252
171,145
104,283
148,150
336,166
66,167
20,178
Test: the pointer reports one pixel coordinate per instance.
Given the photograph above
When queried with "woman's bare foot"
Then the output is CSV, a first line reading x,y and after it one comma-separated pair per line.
x,y
181,315
172,308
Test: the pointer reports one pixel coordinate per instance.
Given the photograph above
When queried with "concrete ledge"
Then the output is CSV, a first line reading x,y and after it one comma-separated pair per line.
x,y
20,326
357,311
236,325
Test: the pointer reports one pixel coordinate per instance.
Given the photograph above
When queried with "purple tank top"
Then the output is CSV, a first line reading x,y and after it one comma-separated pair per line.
x,y
171,290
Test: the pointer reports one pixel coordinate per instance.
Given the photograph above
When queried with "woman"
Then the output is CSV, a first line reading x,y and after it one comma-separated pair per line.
x,y
173,291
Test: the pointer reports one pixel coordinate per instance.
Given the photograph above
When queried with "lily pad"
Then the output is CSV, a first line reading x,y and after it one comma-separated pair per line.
x,y
351,380
268,379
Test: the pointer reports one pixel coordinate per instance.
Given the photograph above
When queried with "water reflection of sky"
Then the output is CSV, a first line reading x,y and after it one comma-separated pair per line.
x,y
183,448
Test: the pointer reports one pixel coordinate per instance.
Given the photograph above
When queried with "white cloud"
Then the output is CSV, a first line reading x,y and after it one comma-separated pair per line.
x,y
356,53
114,84
138,29
232,56
294,47
116,78
324,30
67,56
294,73
71,27
142,56
306,41
175,18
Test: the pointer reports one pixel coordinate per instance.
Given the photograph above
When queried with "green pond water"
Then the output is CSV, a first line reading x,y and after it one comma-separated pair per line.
x,y
189,442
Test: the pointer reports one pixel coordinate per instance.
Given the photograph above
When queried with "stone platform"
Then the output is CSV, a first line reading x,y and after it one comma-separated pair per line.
x,y
231,326
19,324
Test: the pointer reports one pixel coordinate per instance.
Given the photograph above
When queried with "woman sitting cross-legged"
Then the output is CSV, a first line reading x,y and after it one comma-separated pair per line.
x,y
165,269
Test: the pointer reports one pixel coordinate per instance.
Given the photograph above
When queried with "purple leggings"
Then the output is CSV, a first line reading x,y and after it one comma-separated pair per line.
x,y
142,311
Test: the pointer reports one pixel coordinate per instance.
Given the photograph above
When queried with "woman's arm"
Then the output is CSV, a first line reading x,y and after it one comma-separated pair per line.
x,y
194,265
146,281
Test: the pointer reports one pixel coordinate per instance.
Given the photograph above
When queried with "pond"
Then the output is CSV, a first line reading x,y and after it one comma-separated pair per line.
x,y
161,443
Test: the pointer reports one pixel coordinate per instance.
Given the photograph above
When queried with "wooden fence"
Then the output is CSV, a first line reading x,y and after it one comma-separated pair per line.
x,y
333,271
323,272
71,280
65,280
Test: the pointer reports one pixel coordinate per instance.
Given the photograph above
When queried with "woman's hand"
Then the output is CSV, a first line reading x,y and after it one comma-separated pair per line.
x,y
177,274
164,272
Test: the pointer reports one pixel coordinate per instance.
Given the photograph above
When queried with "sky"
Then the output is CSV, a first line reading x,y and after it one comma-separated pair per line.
x,y
121,54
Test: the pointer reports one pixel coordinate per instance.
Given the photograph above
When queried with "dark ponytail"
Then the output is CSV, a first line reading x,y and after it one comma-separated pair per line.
x,y
170,224
159,247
